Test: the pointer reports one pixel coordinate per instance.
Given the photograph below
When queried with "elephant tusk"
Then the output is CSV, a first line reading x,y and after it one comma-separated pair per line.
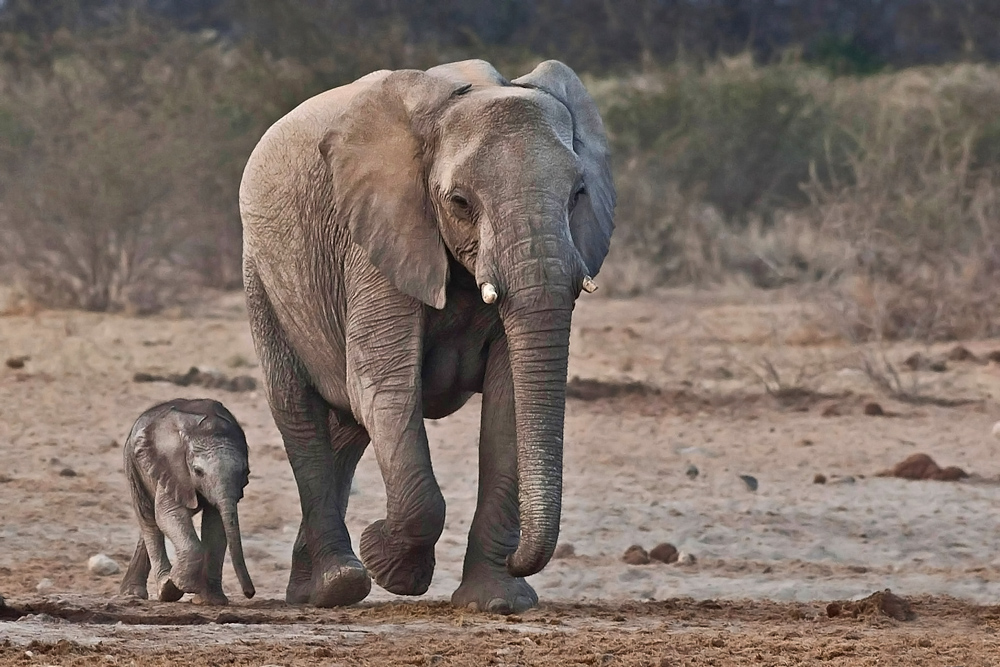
x,y
589,286
489,293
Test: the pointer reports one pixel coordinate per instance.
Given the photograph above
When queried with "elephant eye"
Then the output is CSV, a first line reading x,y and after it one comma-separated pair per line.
x,y
460,203
198,471
582,190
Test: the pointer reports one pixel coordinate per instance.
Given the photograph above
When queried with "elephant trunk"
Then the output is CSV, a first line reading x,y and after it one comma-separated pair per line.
x,y
537,323
231,522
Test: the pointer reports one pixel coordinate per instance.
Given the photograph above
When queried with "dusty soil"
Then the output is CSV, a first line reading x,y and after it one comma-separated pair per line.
x,y
723,384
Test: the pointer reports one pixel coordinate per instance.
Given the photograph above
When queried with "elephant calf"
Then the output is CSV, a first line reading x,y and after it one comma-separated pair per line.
x,y
182,457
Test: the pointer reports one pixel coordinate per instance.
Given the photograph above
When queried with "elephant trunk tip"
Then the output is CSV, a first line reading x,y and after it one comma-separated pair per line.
x,y
249,591
527,561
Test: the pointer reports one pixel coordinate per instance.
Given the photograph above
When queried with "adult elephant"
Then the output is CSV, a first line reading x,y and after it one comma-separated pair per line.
x,y
410,239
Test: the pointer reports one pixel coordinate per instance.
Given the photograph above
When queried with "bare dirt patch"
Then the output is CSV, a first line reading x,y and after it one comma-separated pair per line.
x,y
668,419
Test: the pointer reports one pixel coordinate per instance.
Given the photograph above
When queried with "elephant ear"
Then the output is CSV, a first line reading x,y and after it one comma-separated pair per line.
x,y
375,155
161,451
475,72
592,220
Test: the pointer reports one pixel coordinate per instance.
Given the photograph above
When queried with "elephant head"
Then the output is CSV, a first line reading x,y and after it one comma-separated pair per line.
x,y
513,180
210,462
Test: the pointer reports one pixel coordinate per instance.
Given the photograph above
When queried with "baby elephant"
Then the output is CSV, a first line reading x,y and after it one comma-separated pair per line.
x,y
181,457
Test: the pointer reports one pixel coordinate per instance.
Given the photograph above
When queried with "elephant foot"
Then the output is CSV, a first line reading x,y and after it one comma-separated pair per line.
x,y
167,591
344,581
211,598
495,592
399,568
134,591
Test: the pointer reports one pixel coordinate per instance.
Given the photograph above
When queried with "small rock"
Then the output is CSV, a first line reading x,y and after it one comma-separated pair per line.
x,y
938,367
635,555
750,481
960,353
831,411
692,469
993,356
833,609
996,431
6,479
67,472
684,558
44,586
806,442
922,466
17,363
846,479
873,409
564,550
819,478
102,566
915,361
664,552
718,642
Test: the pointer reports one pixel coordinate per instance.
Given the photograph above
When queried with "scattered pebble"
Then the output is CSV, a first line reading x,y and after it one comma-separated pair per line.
x,y
44,586
873,409
635,555
564,550
831,411
961,353
692,469
806,442
102,566
750,481
820,478
846,479
67,472
17,363
922,466
664,552
918,362
996,430
684,558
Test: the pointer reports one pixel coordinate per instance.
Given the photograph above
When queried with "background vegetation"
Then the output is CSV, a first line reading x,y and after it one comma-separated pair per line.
x,y
845,144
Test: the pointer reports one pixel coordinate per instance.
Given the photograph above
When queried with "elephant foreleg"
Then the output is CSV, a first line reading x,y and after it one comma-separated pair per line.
x,y
175,520
213,537
486,584
383,361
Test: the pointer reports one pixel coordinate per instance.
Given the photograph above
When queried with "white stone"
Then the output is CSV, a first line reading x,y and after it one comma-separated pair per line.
x,y
996,430
684,558
44,585
102,566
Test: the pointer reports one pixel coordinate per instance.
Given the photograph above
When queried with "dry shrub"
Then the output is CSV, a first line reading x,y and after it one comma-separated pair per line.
x,y
121,165
897,177
921,210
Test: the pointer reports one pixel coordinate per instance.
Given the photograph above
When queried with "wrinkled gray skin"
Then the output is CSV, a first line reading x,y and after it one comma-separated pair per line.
x,y
372,215
183,457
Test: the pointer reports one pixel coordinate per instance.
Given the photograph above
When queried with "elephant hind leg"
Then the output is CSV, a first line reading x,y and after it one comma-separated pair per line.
x,y
323,455
134,582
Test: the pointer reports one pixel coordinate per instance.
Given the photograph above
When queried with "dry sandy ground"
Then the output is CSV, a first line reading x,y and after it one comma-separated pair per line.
x,y
767,561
